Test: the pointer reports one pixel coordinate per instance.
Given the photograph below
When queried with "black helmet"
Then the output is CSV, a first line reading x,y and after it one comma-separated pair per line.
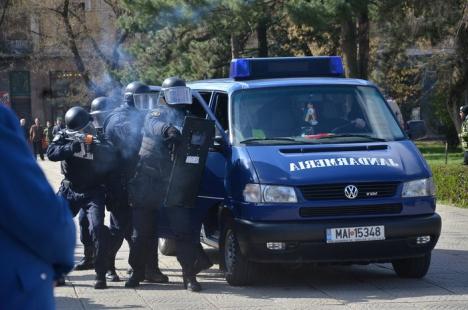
x,y
134,88
100,104
100,107
77,118
176,91
464,109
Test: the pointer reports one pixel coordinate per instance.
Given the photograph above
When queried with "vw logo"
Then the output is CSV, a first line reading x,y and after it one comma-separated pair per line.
x,y
351,191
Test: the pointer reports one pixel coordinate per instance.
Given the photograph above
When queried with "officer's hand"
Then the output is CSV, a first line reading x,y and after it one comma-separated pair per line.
x,y
76,146
172,135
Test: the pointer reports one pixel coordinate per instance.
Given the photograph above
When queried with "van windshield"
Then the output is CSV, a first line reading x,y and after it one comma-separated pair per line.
x,y
312,114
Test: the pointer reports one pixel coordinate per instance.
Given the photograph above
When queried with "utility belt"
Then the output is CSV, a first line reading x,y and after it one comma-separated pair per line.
x,y
81,189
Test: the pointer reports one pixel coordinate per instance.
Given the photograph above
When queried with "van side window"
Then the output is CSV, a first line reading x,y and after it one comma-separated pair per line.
x,y
221,110
196,108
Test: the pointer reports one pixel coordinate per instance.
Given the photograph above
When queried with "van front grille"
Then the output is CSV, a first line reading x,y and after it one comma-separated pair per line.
x,y
336,191
351,210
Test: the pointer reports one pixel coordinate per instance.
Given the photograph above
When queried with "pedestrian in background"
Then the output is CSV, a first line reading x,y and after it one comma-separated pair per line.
x,y
37,233
48,135
36,135
24,128
58,126
464,132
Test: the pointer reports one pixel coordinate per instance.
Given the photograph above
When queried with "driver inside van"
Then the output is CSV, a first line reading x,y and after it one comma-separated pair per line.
x,y
352,113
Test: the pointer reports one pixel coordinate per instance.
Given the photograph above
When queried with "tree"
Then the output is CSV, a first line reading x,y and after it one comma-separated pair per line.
x,y
339,23
442,29
95,54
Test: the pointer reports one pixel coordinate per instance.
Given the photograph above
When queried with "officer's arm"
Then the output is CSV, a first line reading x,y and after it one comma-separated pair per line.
x,y
31,214
60,149
156,126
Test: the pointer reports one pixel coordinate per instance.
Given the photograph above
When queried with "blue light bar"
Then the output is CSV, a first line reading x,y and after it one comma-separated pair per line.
x,y
286,67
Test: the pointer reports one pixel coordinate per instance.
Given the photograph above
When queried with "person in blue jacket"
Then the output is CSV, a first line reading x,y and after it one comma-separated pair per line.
x,y
37,233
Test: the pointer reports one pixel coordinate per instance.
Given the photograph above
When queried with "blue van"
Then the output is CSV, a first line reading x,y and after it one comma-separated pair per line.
x,y
311,167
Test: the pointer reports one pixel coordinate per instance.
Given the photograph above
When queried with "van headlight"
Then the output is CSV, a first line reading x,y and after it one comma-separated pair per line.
x,y
269,193
418,188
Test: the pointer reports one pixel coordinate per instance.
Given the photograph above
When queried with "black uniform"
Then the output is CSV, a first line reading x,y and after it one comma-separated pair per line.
x,y
122,128
83,188
148,190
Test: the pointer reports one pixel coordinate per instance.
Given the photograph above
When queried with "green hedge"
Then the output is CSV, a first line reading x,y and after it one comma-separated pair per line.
x,y
451,184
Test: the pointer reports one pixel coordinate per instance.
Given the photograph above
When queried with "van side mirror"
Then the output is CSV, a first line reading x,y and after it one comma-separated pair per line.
x,y
416,129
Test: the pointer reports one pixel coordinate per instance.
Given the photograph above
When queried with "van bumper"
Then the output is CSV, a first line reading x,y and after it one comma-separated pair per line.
x,y
306,240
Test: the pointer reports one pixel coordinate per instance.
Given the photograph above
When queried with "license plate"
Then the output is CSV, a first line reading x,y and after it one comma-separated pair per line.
x,y
354,234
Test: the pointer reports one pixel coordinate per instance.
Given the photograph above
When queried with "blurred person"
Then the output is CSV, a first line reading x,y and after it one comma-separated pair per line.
x,y
37,233
84,166
48,132
58,126
464,132
24,127
36,135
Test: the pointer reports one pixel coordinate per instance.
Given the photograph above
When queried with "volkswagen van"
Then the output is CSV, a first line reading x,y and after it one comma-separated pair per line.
x,y
311,167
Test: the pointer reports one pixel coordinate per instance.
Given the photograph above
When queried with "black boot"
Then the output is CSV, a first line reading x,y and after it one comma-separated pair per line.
x,y
87,262
202,264
112,275
100,282
191,284
155,276
133,281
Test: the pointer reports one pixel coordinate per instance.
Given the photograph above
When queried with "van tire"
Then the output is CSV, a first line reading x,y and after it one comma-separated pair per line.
x,y
414,267
167,247
238,271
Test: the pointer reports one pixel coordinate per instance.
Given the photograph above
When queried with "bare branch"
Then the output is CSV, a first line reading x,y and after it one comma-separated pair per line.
x,y
4,10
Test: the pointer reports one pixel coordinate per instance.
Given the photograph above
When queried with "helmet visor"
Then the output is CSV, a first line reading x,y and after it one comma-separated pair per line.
x,y
146,101
98,119
178,95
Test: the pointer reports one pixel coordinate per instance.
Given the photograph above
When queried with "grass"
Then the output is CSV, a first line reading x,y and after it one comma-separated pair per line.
x,y
451,179
434,153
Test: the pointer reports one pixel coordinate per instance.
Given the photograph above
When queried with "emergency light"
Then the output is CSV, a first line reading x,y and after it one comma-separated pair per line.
x,y
286,67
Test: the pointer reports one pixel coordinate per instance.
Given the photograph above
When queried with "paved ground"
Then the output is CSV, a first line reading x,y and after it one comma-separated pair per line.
x,y
345,287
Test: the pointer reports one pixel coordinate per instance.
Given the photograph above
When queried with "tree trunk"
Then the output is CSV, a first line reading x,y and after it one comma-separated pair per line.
x,y
363,40
235,46
459,78
76,54
349,45
262,38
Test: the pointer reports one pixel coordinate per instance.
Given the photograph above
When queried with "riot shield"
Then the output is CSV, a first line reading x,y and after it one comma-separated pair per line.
x,y
189,162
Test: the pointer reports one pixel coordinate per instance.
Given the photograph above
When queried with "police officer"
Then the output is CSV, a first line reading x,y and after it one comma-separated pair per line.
x,y
122,127
161,134
84,168
464,132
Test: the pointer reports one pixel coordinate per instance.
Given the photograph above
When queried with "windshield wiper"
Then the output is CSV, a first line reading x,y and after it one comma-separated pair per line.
x,y
346,135
268,139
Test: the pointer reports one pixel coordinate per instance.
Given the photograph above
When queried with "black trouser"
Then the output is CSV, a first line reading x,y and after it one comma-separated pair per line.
x,y
92,204
186,229
143,240
465,158
145,229
85,236
37,147
121,228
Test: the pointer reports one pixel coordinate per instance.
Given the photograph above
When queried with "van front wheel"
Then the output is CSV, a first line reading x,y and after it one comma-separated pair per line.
x,y
414,267
238,270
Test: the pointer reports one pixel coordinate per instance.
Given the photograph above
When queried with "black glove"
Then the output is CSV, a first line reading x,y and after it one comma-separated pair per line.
x,y
172,135
76,146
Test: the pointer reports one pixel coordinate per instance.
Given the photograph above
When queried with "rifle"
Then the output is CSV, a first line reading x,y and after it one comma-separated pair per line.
x,y
86,141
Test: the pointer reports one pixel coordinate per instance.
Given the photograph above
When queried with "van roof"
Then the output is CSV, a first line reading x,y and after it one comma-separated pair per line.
x,y
230,85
